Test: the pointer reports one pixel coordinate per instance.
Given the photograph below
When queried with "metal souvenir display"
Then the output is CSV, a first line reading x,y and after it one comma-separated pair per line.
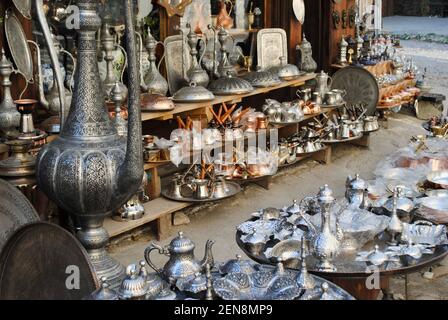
x,y
324,82
343,45
285,71
9,116
182,261
177,62
326,245
20,163
377,257
109,168
262,79
236,266
355,188
194,286
230,85
104,293
365,92
34,262
18,45
304,280
193,93
434,209
109,44
120,123
395,226
403,203
15,211
156,103
425,233
134,286
154,82
286,250
307,63
224,67
272,45
196,74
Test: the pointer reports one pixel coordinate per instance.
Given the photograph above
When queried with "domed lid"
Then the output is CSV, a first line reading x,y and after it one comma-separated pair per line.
x,y
286,71
325,195
230,85
180,244
194,284
236,266
357,183
377,257
294,208
134,285
305,43
156,102
254,238
5,64
103,293
193,93
261,78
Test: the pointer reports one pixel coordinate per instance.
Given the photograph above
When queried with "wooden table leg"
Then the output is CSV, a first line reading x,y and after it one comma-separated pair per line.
x,y
323,156
163,227
362,142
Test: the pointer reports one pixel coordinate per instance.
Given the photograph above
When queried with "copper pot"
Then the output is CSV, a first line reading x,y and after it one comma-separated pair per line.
x,y
155,102
435,164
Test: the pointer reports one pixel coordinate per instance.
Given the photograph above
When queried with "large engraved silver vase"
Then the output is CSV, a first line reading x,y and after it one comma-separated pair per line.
x,y
90,171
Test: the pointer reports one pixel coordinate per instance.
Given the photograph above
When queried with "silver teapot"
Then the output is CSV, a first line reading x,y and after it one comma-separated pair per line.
x,y
355,188
324,83
182,263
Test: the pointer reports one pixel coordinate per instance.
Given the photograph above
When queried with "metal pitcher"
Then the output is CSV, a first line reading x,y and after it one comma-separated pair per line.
x,y
324,83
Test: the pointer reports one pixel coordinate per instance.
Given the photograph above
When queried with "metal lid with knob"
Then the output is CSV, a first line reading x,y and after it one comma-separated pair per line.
x,y
104,292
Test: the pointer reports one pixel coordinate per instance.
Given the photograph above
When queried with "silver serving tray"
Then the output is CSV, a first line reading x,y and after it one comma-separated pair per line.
x,y
366,91
343,140
235,188
24,7
271,46
18,45
176,67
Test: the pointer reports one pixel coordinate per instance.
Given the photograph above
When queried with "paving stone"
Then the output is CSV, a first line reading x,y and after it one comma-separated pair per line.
x,y
180,219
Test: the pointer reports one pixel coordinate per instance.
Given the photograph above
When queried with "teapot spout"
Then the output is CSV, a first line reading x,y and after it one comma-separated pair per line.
x,y
208,257
131,171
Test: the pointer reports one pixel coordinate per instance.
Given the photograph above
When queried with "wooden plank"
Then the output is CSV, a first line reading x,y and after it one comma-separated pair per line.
x,y
154,210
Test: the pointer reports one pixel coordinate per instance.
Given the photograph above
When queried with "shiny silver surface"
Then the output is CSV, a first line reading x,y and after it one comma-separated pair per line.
x,y
134,286
154,82
182,261
425,233
262,79
230,85
9,116
90,170
18,45
307,63
177,62
24,7
193,93
439,178
271,46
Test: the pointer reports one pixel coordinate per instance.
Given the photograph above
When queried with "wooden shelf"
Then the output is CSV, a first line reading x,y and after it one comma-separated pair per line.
x,y
188,107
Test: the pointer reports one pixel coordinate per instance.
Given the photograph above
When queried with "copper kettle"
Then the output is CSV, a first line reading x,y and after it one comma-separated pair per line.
x,y
224,19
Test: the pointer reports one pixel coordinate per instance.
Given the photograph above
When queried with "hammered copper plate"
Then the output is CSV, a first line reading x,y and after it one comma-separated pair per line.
x,y
18,45
42,261
360,85
15,211
24,7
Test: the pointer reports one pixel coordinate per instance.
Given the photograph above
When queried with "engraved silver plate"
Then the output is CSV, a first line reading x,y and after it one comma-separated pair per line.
x,y
18,45
271,46
15,211
24,7
176,67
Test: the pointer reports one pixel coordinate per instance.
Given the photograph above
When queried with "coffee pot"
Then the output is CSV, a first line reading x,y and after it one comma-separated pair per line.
x,y
355,188
324,83
182,262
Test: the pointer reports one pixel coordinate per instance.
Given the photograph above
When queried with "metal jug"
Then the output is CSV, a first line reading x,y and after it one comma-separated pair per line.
x,y
324,83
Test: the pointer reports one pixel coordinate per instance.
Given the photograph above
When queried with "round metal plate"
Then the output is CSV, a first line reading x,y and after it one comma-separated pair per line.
x,y
18,45
360,85
235,188
24,7
15,211
42,261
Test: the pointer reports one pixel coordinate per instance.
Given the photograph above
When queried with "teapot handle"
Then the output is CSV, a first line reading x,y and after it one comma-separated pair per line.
x,y
330,82
148,251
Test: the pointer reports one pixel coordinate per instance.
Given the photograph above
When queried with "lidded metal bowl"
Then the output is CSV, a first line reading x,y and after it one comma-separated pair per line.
x,y
134,285
156,102
230,85
236,266
286,71
262,79
193,93
104,292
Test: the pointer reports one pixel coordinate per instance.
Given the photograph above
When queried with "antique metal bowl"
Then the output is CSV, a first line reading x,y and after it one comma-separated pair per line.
x,y
193,93
230,85
425,233
262,79
156,102
288,251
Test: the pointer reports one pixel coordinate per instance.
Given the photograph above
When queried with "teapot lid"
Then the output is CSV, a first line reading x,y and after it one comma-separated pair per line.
x,y
192,93
180,244
134,285
325,195
104,292
357,183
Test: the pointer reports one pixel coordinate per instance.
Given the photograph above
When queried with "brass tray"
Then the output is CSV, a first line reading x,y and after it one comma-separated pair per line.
x,y
235,188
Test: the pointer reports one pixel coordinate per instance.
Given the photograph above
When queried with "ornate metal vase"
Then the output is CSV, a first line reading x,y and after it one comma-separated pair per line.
x,y
9,116
90,171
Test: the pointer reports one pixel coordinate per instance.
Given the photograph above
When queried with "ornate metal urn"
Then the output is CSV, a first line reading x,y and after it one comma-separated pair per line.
x,y
9,116
307,62
90,171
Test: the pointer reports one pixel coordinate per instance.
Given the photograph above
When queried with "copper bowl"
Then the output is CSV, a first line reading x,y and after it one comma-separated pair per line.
x,y
156,102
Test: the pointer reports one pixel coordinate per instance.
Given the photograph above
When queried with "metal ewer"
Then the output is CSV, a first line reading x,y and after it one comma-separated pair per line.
x,y
90,171
9,116
154,82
